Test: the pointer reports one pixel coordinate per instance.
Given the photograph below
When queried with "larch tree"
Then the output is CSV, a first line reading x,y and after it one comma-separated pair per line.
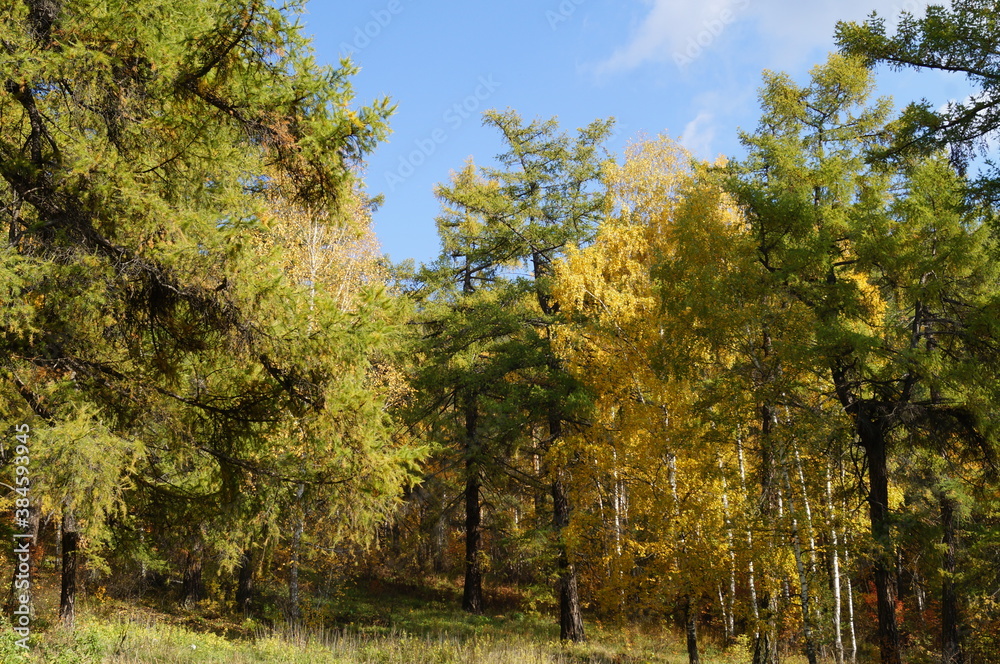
x,y
962,38
141,145
889,265
516,220
467,399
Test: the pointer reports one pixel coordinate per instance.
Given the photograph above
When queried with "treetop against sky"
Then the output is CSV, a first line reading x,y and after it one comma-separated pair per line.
x,y
690,70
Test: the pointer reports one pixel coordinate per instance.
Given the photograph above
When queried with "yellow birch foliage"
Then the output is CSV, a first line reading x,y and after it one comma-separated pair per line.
x,y
657,527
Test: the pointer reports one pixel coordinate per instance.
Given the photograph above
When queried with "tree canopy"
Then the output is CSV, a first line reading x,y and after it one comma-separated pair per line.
x,y
754,400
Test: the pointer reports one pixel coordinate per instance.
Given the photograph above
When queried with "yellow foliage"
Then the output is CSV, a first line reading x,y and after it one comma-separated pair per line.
x,y
648,460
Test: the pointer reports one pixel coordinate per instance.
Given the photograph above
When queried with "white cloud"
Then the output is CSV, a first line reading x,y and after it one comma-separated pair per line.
x,y
792,29
668,28
789,28
699,134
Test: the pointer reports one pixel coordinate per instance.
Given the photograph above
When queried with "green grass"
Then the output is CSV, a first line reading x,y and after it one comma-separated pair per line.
x,y
141,639
360,626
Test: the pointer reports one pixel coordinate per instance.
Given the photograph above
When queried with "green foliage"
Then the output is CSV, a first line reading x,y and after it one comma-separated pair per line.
x,y
960,38
220,381
891,265
176,371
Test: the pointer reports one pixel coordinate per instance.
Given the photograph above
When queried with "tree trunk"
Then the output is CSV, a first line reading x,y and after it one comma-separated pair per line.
x,y
42,15
538,493
751,580
193,587
765,647
850,607
804,592
439,532
920,595
871,424
811,531
70,564
831,522
691,629
951,645
766,641
294,599
244,583
728,613
726,632
872,436
472,596
619,503
570,616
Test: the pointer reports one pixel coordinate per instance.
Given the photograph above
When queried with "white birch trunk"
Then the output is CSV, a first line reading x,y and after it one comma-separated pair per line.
x,y
800,566
850,584
808,511
838,642
728,615
726,629
850,609
618,503
750,571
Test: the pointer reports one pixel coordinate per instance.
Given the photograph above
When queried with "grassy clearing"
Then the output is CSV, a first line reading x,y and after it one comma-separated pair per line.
x,y
143,638
360,626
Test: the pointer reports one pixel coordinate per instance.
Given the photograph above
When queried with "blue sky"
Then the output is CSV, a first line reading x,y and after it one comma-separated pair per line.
x,y
687,69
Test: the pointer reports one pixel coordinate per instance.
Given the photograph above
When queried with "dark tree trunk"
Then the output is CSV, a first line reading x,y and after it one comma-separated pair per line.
x,y
873,439
42,14
951,646
472,595
244,582
70,564
193,587
872,421
765,649
570,617
691,629
294,601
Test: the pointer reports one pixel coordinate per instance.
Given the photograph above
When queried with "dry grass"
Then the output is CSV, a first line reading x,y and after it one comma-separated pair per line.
x,y
143,637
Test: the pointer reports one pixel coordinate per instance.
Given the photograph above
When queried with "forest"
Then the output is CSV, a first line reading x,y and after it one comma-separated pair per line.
x,y
642,407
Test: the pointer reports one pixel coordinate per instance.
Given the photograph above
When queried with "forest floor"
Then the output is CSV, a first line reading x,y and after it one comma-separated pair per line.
x,y
369,625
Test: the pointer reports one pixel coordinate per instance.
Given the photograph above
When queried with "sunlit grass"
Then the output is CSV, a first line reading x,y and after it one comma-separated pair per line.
x,y
143,637
357,626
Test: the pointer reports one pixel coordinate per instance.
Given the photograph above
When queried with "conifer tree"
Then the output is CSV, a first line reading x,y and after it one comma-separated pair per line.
x,y
504,228
962,38
142,327
893,279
